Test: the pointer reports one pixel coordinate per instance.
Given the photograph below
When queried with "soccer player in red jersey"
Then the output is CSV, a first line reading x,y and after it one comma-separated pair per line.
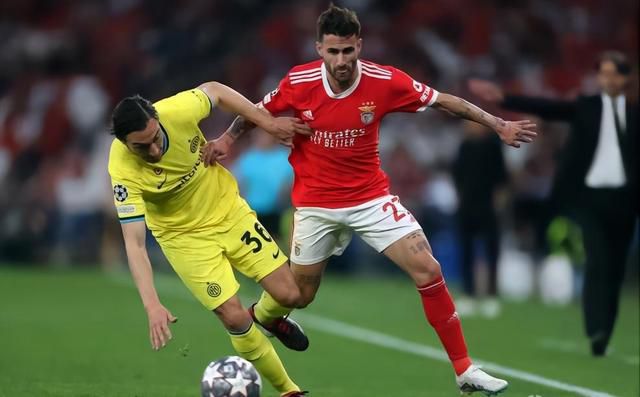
x,y
339,187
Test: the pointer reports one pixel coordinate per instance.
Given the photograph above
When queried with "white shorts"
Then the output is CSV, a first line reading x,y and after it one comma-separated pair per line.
x,y
319,233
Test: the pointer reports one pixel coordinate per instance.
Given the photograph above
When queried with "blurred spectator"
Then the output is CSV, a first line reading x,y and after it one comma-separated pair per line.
x,y
596,181
83,195
265,177
479,171
57,55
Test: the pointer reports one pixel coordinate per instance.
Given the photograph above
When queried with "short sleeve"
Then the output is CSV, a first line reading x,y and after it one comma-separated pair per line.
x,y
128,201
409,95
190,104
280,99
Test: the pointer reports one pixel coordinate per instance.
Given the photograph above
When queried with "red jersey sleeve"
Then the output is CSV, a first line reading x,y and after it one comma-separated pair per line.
x,y
409,95
280,99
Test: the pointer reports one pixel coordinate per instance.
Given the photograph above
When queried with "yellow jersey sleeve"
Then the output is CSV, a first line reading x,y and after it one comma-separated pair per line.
x,y
127,194
127,198
187,105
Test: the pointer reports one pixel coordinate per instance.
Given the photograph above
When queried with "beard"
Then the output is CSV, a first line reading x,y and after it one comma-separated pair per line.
x,y
344,74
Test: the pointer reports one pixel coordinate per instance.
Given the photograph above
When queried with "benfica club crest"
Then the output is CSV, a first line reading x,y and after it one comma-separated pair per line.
x,y
366,112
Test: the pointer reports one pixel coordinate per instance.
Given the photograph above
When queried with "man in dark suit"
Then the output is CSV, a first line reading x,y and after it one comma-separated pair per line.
x,y
479,171
595,181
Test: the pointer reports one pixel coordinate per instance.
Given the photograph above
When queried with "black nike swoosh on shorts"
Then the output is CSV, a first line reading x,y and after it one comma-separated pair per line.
x,y
275,256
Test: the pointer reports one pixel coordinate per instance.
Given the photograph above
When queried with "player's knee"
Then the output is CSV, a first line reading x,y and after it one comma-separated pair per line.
x,y
306,298
234,319
291,298
427,272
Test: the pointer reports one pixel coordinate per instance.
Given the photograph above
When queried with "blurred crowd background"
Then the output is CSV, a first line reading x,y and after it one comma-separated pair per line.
x,y
64,64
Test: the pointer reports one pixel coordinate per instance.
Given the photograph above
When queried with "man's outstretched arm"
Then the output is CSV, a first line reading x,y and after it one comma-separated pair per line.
x,y
219,148
239,126
548,109
159,317
512,133
232,101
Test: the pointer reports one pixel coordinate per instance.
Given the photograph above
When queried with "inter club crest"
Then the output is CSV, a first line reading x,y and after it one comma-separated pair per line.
x,y
366,112
214,290
195,143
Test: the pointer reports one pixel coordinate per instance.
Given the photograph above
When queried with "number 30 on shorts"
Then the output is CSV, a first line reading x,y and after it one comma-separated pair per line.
x,y
248,239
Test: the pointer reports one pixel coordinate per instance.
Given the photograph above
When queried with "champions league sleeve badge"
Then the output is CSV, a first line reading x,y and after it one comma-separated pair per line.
x,y
120,193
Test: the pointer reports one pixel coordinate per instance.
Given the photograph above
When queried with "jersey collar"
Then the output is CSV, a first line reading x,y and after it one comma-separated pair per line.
x,y
344,94
165,143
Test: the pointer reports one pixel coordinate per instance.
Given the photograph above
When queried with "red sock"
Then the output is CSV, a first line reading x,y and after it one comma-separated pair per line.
x,y
440,311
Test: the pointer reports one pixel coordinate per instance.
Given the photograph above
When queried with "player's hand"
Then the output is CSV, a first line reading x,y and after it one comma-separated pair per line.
x,y
159,332
287,142
514,133
486,90
284,128
216,150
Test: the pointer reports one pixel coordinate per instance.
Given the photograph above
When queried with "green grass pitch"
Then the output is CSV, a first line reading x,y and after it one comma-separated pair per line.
x,y
71,333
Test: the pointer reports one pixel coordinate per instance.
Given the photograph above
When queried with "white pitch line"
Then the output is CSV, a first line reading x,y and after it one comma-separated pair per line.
x,y
365,335
360,334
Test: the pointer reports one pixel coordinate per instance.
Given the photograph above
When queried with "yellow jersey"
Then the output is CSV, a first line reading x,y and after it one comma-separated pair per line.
x,y
177,194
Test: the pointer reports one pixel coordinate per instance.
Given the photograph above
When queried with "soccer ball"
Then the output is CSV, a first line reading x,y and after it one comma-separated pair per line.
x,y
231,377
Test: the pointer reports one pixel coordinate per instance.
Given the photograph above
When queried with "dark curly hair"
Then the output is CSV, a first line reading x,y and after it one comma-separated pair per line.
x,y
131,114
338,21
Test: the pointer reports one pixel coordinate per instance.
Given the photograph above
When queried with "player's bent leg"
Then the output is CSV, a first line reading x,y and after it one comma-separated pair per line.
x,y
308,278
253,346
232,316
274,317
271,312
413,254
282,287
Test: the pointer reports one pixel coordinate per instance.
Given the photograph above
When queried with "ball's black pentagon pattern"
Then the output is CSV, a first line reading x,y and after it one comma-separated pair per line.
x,y
120,193
215,388
220,375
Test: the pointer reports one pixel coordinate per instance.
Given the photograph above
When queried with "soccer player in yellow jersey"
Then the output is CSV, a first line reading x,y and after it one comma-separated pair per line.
x,y
197,216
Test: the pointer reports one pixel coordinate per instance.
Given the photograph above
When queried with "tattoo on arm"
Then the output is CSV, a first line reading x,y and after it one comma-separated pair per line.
x,y
469,111
239,126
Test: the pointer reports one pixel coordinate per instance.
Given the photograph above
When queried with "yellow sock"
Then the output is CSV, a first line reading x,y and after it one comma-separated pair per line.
x,y
253,346
267,309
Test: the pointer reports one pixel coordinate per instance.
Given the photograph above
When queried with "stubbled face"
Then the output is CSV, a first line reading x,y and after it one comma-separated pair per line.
x,y
610,80
340,55
147,143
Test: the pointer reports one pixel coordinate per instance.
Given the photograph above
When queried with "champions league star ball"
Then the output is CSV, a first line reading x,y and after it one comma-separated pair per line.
x,y
231,377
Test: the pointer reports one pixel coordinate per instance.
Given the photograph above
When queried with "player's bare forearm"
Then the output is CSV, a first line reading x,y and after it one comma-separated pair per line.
x,y
512,133
142,273
139,263
467,110
239,126
231,101
219,148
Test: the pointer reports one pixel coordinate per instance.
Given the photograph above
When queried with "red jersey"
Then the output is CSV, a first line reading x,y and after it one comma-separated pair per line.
x,y
339,165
